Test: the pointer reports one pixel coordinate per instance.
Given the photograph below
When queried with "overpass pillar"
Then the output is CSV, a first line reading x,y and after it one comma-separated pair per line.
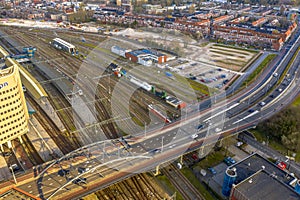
x,y
156,170
20,139
181,160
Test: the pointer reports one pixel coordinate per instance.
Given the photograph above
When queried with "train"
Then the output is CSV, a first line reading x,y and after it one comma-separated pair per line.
x,y
169,99
64,46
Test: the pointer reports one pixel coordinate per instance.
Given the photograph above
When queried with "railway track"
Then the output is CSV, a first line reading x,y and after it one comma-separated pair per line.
x,y
61,140
31,152
182,184
137,187
102,113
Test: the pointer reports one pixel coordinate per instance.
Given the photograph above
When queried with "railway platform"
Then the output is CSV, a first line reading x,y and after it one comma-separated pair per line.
x,y
4,170
47,107
41,141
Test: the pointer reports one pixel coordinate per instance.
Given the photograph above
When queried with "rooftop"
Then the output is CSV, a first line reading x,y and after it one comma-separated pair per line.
x,y
263,185
145,52
254,163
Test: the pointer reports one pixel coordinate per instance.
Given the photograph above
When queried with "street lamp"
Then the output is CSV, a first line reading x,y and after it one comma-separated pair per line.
x,y
162,143
145,127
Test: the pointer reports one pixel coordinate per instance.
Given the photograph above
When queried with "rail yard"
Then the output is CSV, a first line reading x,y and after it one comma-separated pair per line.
x,y
91,101
62,83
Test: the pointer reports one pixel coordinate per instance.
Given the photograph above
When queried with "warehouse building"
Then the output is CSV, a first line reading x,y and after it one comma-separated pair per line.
x,y
146,56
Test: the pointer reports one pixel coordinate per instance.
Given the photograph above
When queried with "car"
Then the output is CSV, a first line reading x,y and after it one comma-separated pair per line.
x,y
6,154
154,151
63,172
218,129
79,180
251,110
229,161
194,136
239,144
82,170
212,170
275,75
200,126
195,157
272,95
15,167
262,104
279,90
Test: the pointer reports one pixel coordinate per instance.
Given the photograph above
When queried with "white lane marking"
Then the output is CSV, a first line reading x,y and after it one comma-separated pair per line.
x,y
234,105
255,112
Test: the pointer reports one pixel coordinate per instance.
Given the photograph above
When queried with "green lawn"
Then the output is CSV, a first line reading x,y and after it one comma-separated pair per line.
x,y
297,101
199,186
259,69
212,159
237,48
165,181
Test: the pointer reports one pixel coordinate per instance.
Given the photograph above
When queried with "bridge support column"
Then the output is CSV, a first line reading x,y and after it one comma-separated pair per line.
x,y
156,170
181,159
9,144
201,151
20,139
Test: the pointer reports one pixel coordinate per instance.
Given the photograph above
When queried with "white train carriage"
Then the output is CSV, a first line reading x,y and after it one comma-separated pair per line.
x,y
63,45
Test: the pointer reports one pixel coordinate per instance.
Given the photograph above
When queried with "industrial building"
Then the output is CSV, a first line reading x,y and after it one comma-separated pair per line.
x,y
257,178
146,56
14,114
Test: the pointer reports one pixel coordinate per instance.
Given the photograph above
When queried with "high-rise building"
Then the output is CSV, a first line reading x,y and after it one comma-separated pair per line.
x,y
13,110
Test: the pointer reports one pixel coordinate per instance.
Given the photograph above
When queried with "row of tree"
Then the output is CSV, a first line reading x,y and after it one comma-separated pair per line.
x,y
284,127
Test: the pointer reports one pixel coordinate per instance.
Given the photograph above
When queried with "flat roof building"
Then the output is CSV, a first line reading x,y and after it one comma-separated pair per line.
x,y
257,178
263,185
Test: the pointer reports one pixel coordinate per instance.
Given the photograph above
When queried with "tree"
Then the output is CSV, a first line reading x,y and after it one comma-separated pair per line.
x,y
192,9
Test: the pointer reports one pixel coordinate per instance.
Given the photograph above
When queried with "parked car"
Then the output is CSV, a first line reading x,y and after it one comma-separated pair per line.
x,y
229,161
195,157
212,170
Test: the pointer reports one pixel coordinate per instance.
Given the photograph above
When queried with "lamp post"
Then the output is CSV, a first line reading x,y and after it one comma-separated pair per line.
x,y
162,143
12,171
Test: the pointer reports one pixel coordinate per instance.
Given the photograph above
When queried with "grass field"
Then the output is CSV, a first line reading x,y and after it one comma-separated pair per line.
x,y
230,58
165,181
259,69
196,183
